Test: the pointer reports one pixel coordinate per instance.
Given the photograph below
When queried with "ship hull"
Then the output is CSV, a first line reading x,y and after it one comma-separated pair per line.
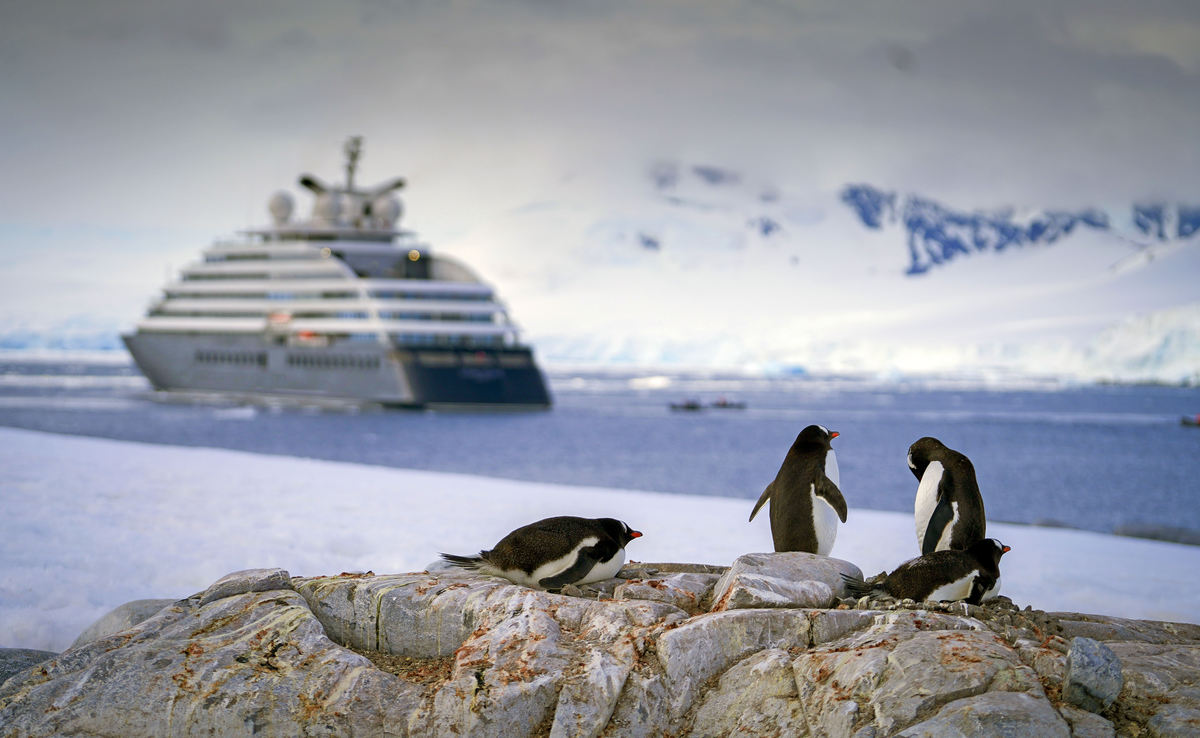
x,y
364,372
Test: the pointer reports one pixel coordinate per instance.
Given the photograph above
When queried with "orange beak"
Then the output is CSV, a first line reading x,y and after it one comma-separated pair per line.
x,y
1007,549
834,434
635,534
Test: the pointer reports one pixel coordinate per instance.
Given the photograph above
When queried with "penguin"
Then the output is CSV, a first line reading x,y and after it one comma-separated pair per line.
x,y
806,503
948,575
948,509
555,552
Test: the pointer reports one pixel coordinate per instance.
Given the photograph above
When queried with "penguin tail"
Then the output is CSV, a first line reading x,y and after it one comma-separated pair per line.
x,y
856,587
466,562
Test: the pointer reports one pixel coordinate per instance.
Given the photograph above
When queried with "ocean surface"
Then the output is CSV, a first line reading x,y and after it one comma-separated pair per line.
x,y
1101,458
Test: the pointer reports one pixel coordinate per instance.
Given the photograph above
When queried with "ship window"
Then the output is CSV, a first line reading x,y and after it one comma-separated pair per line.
x,y
333,361
235,358
220,277
515,361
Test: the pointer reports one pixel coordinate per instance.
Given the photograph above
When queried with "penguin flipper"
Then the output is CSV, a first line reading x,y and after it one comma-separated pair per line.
x,y
585,561
766,495
943,515
980,587
829,491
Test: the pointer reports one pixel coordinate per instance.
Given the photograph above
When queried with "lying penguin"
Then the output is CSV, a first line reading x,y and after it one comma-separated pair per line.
x,y
555,552
972,575
948,509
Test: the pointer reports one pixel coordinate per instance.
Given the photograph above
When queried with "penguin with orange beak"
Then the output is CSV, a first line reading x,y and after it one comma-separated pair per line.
x,y
806,503
554,552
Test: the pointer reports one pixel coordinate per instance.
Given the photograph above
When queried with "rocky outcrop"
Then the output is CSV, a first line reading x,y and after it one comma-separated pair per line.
x,y
121,618
665,649
14,660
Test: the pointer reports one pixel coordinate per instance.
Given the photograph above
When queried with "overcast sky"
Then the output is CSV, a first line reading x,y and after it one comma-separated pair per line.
x,y
147,120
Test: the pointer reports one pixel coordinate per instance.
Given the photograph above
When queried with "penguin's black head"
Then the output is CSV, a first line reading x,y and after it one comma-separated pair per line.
x,y
817,434
921,451
620,532
989,549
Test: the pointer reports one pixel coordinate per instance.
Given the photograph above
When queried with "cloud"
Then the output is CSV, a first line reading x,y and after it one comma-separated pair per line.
x,y
157,104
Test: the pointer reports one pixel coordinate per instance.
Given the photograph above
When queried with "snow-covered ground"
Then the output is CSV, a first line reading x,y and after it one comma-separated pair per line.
x,y
88,524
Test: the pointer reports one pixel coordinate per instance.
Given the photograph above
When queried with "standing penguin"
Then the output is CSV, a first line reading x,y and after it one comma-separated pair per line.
x,y
972,575
948,508
806,503
555,552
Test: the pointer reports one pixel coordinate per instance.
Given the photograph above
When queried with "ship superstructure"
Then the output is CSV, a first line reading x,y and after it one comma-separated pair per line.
x,y
343,304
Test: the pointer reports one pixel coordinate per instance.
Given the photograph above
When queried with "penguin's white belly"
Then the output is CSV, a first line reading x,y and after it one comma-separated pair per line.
x,y
943,543
959,589
831,469
994,592
825,522
548,569
926,501
605,569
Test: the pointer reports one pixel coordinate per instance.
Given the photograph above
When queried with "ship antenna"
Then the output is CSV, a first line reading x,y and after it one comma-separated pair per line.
x,y
353,150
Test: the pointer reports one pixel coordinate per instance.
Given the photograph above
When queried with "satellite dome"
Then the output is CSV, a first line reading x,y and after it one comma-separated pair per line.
x,y
386,211
328,207
280,206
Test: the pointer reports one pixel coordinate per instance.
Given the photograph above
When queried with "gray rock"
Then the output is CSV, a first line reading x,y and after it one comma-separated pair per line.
x,y
1049,663
757,590
830,625
588,697
511,670
1175,721
415,615
993,714
643,709
1162,685
948,665
121,618
790,579
687,591
248,580
759,684
776,717
14,660
1086,724
238,665
902,667
1108,628
428,616
478,656
705,646
1093,677
646,570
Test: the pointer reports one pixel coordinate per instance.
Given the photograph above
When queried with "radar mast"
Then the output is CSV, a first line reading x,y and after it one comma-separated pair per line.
x,y
353,149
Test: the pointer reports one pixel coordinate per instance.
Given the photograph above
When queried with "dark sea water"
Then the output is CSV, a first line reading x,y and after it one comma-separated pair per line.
x,y
1102,458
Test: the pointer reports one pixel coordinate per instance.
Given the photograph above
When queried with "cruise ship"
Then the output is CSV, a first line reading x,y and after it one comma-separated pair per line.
x,y
341,305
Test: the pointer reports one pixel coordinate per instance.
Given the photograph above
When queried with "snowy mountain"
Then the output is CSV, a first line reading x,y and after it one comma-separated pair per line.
x,y
695,265
937,234
704,266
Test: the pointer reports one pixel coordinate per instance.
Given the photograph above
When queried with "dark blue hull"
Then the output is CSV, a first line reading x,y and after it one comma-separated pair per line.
x,y
475,377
